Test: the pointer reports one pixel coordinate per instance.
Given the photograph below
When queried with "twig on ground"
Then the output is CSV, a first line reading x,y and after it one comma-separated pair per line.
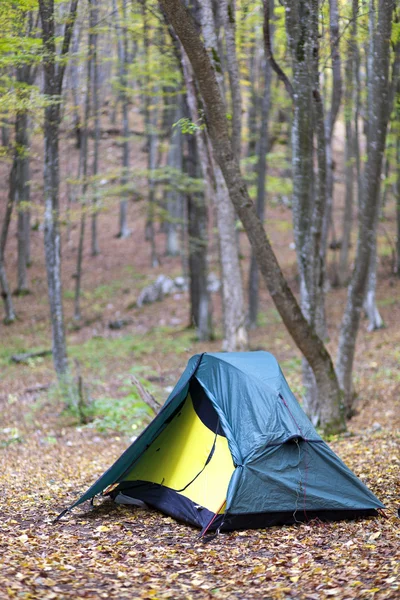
x,y
145,395
37,388
25,356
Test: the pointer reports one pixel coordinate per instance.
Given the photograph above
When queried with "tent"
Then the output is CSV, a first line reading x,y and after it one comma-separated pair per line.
x,y
232,448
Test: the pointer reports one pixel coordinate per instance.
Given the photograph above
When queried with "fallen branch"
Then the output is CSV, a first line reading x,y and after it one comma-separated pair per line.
x,y
145,395
37,388
25,356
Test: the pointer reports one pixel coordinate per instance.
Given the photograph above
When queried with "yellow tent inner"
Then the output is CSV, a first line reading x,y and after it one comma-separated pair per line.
x,y
180,452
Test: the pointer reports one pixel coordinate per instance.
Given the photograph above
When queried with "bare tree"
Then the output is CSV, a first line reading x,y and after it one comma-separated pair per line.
x,y
54,69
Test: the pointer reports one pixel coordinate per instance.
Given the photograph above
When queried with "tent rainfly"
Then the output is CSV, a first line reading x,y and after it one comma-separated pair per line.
x,y
231,449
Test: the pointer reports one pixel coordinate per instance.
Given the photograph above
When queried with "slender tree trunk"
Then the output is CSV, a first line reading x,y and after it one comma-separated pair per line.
x,y
348,205
336,97
378,115
5,288
234,318
303,334
309,191
252,120
25,75
261,189
200,303
152,143
83,167
74,71
350,108
150,122
53,78
370,306
228,13
5,133
122,44
200,313
398,204
173,195
95,250
22,191
375,320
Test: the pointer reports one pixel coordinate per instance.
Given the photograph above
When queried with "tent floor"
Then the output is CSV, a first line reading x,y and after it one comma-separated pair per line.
x,y
181,508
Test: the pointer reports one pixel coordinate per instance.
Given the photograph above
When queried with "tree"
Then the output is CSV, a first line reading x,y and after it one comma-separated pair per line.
x,y
350,102
234,317
198,160
263,146
123,58
54,69
95,250
5,288
84,158
378,91
309,189
215,112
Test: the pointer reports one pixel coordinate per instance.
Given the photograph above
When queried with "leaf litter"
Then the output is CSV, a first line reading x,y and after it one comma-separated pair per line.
x,y
111,551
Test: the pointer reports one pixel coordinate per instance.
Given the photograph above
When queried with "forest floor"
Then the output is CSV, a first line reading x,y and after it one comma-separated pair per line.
x,y
47,459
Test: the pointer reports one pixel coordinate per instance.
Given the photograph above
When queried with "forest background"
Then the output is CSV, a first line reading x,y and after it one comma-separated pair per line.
x,y
120,163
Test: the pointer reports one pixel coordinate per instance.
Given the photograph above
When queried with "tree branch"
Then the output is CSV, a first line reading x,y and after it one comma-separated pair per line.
x,y
269,54
69,27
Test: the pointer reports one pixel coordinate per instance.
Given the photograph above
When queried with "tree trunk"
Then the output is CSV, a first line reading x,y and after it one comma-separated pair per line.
x,y
303,334
22,191
336,97
228,13
122,43
5,288
370,304
83,166
398,204
200,307
234,319
150,123
53,77
252,109
261,189
74,71
348,204
25,76
350,109
309,190
173,195
378,115
5,133
95,250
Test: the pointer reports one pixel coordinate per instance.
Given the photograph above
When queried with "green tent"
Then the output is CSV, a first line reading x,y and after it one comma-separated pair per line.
x,y
230,449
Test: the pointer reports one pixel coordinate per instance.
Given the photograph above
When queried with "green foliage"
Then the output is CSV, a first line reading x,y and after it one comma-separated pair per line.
x,y
125,415
188,126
